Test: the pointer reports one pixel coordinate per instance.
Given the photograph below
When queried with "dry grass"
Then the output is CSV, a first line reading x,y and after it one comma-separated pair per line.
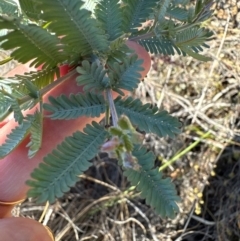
x,y
205,97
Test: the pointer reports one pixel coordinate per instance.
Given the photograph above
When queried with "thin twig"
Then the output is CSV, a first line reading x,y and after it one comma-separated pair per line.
x,y
47,216
188,220
138,210
224,91
211,71
129,220
75,228
159,103
99,182
201,220
79,215
190,110
44,212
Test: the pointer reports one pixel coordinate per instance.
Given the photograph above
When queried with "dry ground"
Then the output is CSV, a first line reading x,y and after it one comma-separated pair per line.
x,y
205,157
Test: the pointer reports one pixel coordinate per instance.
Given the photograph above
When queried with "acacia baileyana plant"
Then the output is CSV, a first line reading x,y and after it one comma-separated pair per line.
x,y
89,37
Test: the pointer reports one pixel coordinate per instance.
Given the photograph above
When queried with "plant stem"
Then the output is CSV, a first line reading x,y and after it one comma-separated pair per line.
x,y
185,151
143,36
107,115
112,107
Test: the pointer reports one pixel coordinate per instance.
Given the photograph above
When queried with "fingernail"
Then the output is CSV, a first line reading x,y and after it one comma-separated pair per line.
x,y
50,232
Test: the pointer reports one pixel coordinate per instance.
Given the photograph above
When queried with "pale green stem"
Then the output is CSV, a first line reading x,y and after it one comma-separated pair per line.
x,y
112,107
107,115
184,152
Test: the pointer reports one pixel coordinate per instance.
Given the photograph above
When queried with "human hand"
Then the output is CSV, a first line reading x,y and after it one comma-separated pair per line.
x,y
15,168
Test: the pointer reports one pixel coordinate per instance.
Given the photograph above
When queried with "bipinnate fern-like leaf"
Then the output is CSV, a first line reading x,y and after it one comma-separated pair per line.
x,y
158,192
178,13
9,7
89,4
20,86
148,119
93,76
15,105
192,41
16,85
182,2
4,107
32,89
126,75
162,9
118,51
5,104
36,130
195,54
15,137
18,115
6,83
61,168
160,45
202,10
30,9
187,42
136,12
193,37
74,106
39,78
109,14
33,43
79,31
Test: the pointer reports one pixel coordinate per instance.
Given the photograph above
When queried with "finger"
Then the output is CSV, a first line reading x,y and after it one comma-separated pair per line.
x,y
15,168
142,54
20,69
23,229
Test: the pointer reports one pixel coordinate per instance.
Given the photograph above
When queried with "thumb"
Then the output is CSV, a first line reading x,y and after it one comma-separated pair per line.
x,y
24,229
